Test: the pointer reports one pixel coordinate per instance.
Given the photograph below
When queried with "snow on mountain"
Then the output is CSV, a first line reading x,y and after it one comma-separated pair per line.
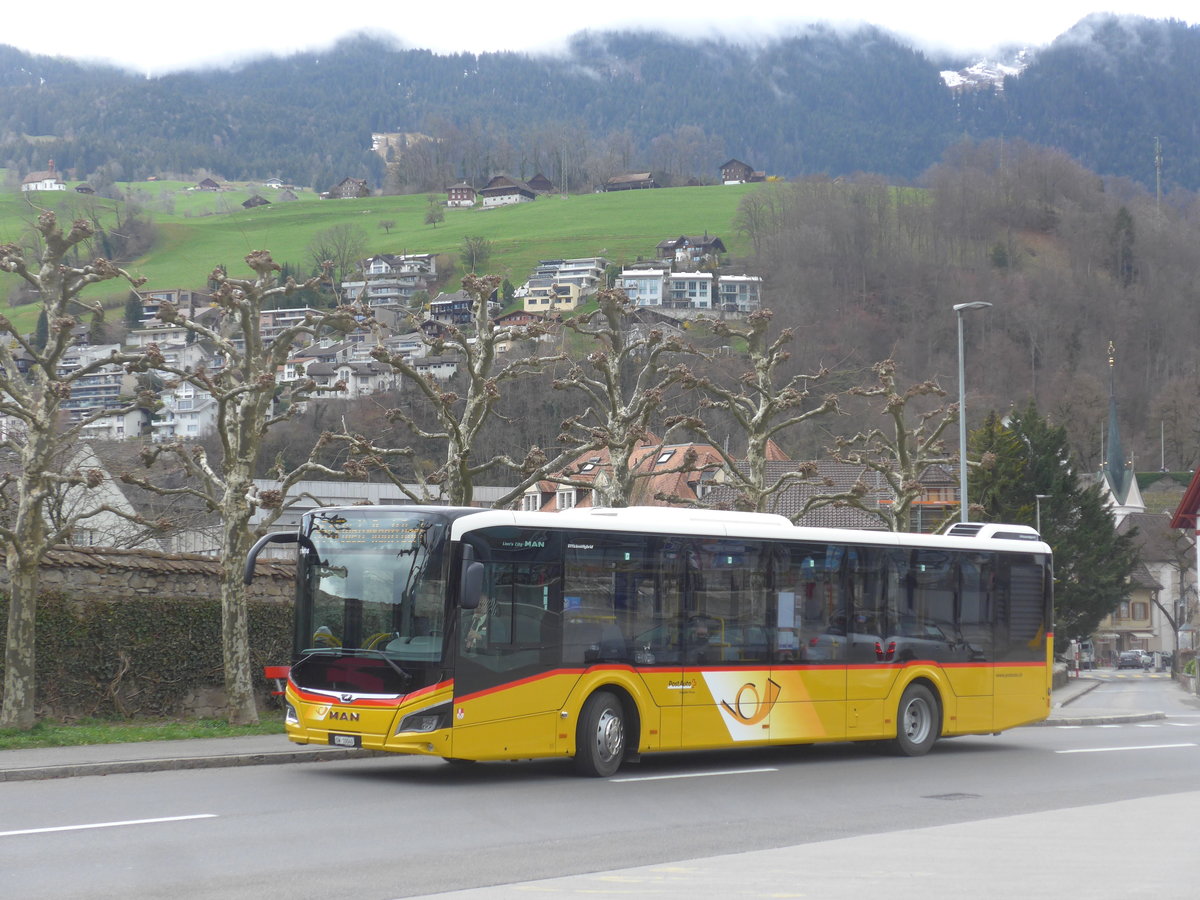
x,y
987,72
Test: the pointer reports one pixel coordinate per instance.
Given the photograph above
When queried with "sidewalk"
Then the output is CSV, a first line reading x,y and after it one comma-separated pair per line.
x,y
156,756
1069,707
275,749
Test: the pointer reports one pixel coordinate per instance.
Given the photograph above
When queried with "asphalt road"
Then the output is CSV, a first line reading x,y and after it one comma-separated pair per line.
x,y
828,821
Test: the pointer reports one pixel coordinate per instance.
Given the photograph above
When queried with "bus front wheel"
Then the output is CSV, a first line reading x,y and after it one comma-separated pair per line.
x,y
918,721
600,736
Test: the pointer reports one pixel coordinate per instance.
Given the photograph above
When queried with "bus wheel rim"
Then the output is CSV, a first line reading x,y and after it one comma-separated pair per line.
x,y
917,721
610,735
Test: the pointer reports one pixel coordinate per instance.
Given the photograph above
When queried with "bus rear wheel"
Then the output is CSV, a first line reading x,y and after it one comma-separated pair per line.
x,y
600,736
918,721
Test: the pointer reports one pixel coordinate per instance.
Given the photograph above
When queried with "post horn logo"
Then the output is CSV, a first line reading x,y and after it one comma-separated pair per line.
x,y
750,709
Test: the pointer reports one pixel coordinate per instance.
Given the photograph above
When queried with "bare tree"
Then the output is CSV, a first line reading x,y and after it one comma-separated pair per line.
x,y
342,246
250,400
460,420
33,388
475,252
760,408
898,453
626,379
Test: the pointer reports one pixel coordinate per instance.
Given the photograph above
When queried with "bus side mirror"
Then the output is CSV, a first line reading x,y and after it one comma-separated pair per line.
x,y
471,588
275,537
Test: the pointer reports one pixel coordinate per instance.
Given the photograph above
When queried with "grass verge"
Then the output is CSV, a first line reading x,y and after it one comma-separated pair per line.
x,y
120,731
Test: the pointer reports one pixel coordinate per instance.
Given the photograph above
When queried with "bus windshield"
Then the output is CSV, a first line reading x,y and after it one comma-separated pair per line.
x,y
372,584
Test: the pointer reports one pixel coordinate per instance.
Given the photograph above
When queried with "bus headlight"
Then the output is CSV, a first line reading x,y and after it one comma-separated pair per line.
x,y
430,719
289,715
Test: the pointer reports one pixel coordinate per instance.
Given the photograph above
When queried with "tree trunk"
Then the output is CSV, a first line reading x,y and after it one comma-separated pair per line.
x,y
235,622
19,651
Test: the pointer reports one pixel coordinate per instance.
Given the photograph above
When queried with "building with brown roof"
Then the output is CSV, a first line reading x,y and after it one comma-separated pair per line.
x,y
43,181
634,182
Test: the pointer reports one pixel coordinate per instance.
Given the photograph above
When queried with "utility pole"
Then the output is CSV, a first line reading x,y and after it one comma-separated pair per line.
x,y
1158,161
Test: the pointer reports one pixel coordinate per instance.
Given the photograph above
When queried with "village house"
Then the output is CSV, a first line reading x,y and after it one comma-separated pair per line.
x,y
691,251
740,294
689,290
188,413
43,181
644,286
737,172
563,284
662,474
388,279
439,368
460,195
505,191
186,302
348,189
635,182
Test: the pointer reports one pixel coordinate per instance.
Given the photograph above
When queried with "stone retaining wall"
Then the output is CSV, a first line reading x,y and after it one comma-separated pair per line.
x,y
107,572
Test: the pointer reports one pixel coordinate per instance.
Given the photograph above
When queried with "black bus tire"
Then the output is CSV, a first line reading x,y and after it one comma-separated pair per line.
x,y
918,722
600,736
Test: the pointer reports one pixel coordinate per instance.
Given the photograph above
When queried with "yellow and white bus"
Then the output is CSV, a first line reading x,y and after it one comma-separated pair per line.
x,y
602,634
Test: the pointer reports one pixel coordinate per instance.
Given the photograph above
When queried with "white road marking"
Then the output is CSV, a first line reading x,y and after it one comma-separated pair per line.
x,y
107,824
1115,749
695,775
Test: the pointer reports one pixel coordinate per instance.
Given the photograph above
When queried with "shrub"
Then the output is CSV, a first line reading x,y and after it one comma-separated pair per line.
x,y
142,656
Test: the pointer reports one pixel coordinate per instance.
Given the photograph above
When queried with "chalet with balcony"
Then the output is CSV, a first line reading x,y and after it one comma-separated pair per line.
x,y
737,172
690,251
348,189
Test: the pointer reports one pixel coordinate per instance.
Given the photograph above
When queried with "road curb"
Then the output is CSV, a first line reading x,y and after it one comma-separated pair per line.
x,y
129,766
1103,719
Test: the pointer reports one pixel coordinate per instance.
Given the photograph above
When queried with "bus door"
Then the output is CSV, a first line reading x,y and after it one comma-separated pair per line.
x,y
970,671
1022,623
807,619
621,607
870,669
507,684
729,693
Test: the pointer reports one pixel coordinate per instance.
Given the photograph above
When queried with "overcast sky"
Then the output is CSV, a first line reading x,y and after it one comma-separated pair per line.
x,y
159,38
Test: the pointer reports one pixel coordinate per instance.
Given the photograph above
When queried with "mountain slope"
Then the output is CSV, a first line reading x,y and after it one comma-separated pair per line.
x,y
818,101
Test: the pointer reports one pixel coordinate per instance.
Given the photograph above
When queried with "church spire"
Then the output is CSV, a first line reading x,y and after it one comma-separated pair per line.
x,y
1114,458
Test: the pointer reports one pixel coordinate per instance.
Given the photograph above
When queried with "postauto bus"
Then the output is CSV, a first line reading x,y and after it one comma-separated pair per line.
x,y
602,634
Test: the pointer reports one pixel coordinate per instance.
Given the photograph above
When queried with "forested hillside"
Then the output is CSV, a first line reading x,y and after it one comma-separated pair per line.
x,y
817,102
1070,262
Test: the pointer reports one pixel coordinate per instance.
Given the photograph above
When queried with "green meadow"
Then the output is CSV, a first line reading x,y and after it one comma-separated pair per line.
x,y
198,230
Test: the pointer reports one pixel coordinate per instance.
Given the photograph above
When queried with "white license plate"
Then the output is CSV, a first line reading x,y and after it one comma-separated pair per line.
x,y
345,740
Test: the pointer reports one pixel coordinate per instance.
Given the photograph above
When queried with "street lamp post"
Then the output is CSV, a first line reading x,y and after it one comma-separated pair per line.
x,y
1038,498
959,309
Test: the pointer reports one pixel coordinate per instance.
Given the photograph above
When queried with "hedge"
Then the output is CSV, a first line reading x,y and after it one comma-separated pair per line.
x,y
139,656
